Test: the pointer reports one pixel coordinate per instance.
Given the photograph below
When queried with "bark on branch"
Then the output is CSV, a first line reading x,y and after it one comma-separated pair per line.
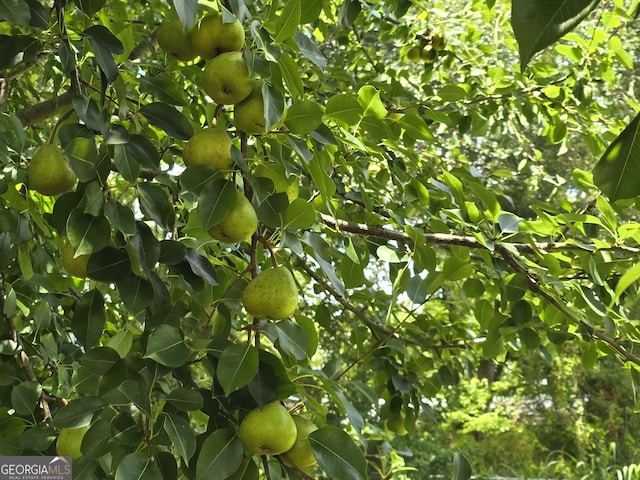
x,y
504,250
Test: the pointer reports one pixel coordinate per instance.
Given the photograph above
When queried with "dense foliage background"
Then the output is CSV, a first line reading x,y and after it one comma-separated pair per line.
x,y
464,239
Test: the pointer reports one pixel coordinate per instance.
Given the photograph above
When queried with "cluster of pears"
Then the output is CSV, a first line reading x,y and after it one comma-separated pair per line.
x,y
272,430
428,49
49,172
226,77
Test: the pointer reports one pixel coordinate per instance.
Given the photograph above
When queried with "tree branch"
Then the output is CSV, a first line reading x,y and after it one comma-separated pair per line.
x,y
467,241
505,251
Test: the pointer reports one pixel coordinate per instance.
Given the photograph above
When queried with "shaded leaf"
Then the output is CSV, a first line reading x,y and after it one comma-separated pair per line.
x,y
16,11
538,23
169,119
138,466
89,318
461,467
109,265
78,412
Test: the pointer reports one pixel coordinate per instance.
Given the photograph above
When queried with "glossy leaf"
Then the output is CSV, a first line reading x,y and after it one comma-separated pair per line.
x,y
181,435
303,117
539,23
139,466
166,346
337,455
89,318
238,364
616,173
221,456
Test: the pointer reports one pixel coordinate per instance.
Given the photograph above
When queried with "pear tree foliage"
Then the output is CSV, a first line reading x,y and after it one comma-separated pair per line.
x,y
447,182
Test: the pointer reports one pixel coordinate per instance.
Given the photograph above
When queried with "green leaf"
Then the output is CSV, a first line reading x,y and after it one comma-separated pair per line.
x,y
96,441
310,50
287,23
166,346
25,396
300,214
83,158
292,339
126,165
163,89
156,204
88,234
103,35
16,11
289,70
461,467
169,119
89,318
109,265
348,13
185,399
221,456
90,7
100,360
303,117
273,105
78,412
187,11
238,364
181,436
344,108
143,151
369,98
215,201
136,293
617,173
138,466
247,471
538,23
628,278
337,455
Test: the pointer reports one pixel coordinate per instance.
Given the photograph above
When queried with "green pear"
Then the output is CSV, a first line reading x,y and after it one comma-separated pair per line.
x,y
301,453
211,36
268,431
70,440
76,265
226,78
49,172
175,41
249,114
414,54
272,294
210,146
240,223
